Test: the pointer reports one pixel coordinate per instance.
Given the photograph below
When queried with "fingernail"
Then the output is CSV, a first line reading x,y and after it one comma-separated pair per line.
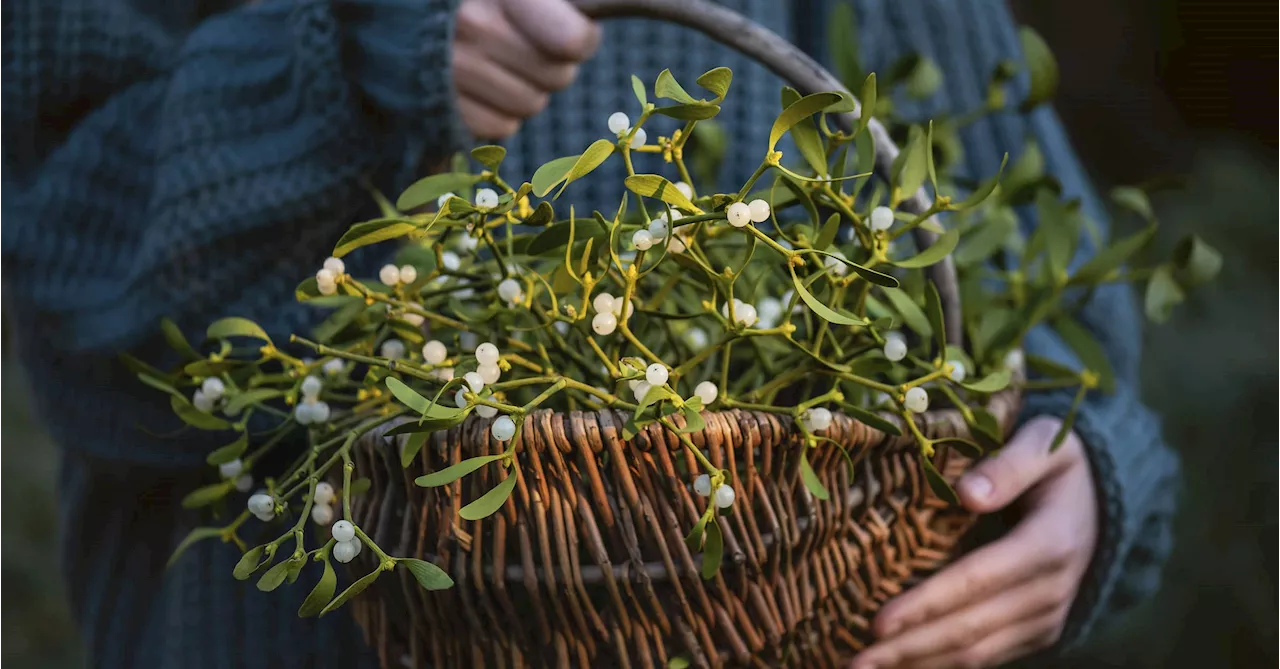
x,y
976,486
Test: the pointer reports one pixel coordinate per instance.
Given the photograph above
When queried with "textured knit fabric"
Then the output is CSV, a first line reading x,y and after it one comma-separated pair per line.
x,y
195,160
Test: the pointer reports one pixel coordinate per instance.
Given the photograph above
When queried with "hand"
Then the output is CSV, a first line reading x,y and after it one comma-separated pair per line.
x,y
509,55
1009,598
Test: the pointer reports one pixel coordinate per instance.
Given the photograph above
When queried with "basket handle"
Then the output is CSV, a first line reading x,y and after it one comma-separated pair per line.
x,y
807,76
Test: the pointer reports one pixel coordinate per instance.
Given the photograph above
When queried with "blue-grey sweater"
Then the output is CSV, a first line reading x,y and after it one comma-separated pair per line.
x,y
195,159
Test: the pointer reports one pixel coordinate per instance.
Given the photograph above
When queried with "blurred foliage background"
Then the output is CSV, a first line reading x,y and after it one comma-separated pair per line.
x,y
1151,90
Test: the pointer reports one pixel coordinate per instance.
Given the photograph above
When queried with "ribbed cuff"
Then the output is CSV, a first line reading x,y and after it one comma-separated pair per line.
x,y
399,57
1135,478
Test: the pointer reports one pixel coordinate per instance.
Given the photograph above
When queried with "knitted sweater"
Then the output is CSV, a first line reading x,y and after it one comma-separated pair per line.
x,y
194,160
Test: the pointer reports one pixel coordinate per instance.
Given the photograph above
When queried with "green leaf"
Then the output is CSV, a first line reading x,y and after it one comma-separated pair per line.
x,y
667,87
827,234
712,551
542,215
274,576
984,427
241,400
173,335
945,244
198,534
236,327
693,421
911,312
249,563
822,310
965,447
412,445
637,87
1195,262
1112,257
359,486
1089,350
928,152
160,385
810,478
551,173
940,487
557,235
868,108
993,382
408,396
1050,368
810,144
429,189
717,81
1134,200
454,472
988,187
353,590
490,156
694,112
933,309
321,594
925,78
695,537
1163,294
798,111
911,166
593,157
1068,422
1042,66
195,417
871,419
229,452
842,41
678,662
206,495
654,186
491,501
986,238
429,576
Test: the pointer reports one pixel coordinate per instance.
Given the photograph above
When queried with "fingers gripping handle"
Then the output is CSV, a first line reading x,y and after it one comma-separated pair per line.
x,y
807,76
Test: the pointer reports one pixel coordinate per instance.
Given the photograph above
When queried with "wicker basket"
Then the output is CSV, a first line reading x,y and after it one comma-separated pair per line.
x,y
585,564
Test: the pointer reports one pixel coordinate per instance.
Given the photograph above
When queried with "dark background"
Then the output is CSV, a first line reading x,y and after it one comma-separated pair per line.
x,y
1150,90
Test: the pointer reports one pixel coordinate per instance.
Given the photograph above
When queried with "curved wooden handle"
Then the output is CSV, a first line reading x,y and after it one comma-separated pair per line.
x,y
807,76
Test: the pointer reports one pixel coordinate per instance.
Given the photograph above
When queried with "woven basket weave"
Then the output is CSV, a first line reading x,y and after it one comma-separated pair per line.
x,y
585,565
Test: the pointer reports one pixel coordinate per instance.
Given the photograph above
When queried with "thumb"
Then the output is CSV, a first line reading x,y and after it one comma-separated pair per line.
x,y
1001,478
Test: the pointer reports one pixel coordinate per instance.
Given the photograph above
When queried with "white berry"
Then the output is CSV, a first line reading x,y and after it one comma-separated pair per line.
x,y
881,219
738,213
817,418
836,267
958,371
327,288
745,314
321,514
325,276
490,373
769,311
639,139
389,274
486,198
408,274
474,381
392,348
509,290
346,551
656,374
697,338
487,354
244,482
658,229
230,470
640,389
895,349
323,493
604,324
759,211
201,401
311,387
725,496
320,412
619,122
443,199
707,391
916,400
1014,359
343,530
620,305
434,352
261,504
443,374
416,320
503,429
213,388
642,240
702,485
304,412
684,188
335,265
450,260
459,398
603,303
485,411
333,367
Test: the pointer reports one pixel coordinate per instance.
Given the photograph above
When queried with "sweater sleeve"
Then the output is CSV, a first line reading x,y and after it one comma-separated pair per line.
x,y
170,165
1135,473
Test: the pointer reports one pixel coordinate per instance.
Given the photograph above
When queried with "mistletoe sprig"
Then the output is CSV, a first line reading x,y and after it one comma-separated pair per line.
x,y
798,294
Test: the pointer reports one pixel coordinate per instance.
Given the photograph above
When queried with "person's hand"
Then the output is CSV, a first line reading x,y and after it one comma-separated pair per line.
x,y
1011,597
509,55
